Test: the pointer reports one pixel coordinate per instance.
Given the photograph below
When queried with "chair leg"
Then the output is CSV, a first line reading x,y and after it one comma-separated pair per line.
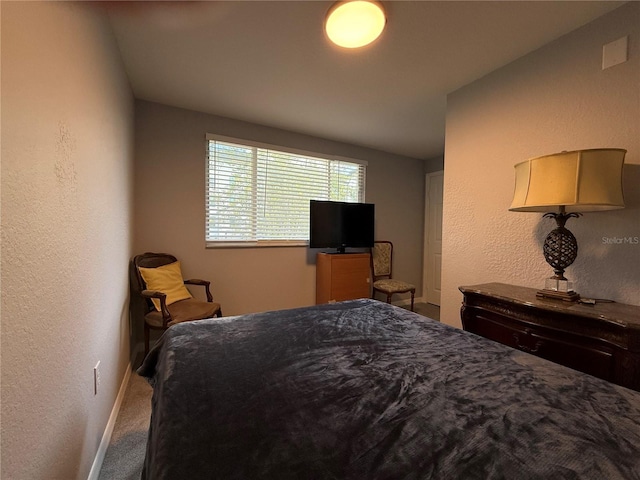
x,y
146,339
389,298
413,292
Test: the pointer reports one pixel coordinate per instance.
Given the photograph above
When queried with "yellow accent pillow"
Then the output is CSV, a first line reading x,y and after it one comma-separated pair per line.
x,y
166,279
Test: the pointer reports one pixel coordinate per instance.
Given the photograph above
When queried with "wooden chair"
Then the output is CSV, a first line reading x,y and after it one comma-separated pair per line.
x,y
382,266
159,311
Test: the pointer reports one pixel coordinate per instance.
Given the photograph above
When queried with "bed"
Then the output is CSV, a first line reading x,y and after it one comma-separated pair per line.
x,y
366,390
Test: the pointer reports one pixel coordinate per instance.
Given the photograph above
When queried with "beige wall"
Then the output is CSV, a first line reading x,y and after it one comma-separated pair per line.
x,y
434,165
169,200
67,148
557,98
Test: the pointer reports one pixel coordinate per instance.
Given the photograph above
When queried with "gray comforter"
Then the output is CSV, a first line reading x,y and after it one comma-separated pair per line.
x,y
365,390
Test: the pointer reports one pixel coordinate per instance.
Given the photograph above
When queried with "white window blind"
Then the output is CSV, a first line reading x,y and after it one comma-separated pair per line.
x,y
259,194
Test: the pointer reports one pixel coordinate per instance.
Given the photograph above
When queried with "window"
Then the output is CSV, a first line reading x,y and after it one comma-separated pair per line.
x,y
258,194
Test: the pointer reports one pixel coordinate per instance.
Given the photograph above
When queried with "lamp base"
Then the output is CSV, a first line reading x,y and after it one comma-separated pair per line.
x,y
565,296
559,288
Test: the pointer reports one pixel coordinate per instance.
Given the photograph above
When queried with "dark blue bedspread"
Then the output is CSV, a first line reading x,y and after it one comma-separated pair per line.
x,y
364,390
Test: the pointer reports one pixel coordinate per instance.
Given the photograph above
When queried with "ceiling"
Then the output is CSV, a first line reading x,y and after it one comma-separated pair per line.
x,y
270,63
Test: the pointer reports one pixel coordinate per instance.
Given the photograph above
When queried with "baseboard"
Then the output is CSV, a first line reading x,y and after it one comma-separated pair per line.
x,y
108,431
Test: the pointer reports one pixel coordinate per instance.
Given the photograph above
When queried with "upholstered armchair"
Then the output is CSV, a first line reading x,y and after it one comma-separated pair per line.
x,y
156,278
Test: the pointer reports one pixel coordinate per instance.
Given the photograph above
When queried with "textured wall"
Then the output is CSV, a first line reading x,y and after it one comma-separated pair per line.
x,y
556,98
67,147
169,201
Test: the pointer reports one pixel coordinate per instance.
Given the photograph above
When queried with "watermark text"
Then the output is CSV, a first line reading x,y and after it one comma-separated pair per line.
x,y
621,240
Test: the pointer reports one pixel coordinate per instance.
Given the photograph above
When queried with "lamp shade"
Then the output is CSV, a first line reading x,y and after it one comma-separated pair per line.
x,y
580,180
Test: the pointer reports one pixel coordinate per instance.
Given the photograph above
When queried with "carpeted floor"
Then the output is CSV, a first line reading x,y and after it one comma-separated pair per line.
x,y
427,310
125,455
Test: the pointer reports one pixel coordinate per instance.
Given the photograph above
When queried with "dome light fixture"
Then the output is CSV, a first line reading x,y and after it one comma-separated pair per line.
x,y
356,23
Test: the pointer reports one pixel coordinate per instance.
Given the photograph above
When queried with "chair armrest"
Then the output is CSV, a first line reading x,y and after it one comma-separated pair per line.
x,y
166,316
204,283
152,294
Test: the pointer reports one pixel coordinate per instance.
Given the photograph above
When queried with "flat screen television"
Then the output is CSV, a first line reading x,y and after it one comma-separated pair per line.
x,y
341,225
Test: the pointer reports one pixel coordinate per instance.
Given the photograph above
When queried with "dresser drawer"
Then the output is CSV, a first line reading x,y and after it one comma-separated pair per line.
x,y
602,340
574,351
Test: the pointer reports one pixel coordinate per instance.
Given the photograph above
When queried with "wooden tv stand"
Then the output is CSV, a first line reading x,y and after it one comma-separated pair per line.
x,y
602,339
342,276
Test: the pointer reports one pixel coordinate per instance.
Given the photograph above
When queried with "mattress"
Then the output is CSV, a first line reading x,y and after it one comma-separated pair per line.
x,y
366,390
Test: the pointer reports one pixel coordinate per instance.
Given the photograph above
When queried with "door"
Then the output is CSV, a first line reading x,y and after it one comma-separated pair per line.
x,y
432,273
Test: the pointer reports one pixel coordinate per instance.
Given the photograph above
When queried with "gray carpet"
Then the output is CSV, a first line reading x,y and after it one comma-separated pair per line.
x,y
125,455
427,310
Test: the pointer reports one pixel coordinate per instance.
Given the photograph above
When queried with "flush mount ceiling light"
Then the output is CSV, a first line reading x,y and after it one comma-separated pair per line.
x,y
355,24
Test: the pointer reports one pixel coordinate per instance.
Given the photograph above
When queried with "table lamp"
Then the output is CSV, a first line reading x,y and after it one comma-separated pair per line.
x,y
564,185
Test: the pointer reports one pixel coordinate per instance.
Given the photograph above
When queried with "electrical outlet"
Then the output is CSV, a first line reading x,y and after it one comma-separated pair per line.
x,y
96,378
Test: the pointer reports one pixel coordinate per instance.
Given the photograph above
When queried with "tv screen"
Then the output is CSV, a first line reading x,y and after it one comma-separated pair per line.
x,y
341,225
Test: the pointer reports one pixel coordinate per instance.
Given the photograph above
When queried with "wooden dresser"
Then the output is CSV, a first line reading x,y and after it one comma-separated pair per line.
x,y
342,276
602,339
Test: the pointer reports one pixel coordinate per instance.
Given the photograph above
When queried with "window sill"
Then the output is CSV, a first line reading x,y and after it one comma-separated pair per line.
x,y
258,244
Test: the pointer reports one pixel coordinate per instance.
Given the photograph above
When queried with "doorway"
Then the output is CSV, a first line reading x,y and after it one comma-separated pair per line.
x,y
432,269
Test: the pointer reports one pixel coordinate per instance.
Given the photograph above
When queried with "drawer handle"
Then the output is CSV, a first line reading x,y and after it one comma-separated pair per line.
x,y
526,348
